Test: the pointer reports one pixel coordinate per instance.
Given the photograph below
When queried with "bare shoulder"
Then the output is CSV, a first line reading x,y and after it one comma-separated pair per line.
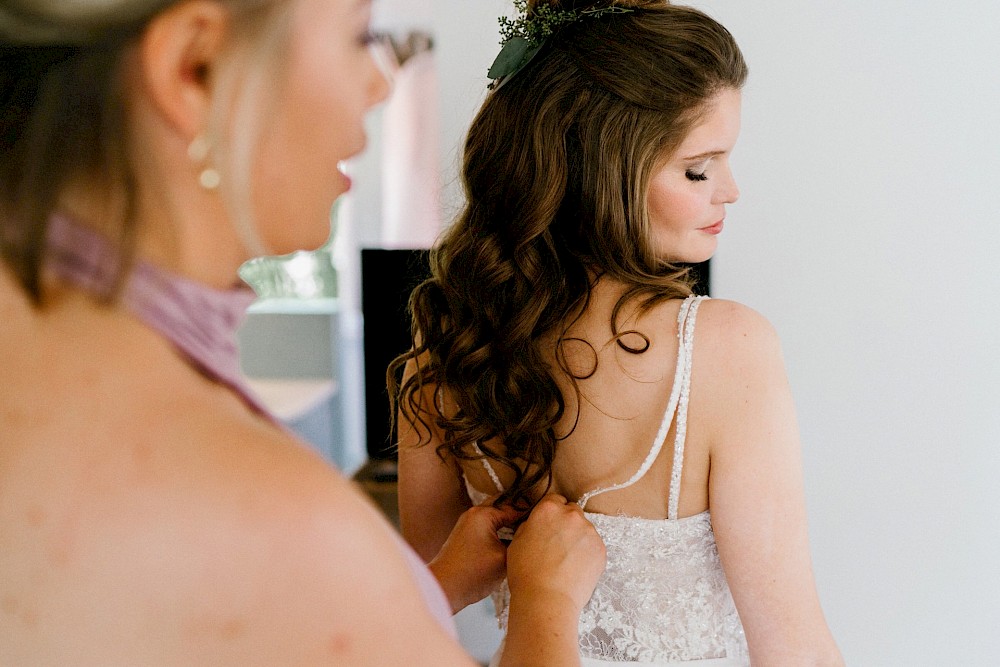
x,y
149,518
733,329
324,569
726,330
738,368
192,532
274,506
746,413
256,554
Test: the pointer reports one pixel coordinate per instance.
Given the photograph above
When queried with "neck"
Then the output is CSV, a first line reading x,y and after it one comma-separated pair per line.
x,y
196,240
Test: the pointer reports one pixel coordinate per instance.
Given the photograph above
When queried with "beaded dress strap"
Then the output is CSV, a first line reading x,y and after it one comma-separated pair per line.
x,y
489,468
439,399
505,533
673,500
678,393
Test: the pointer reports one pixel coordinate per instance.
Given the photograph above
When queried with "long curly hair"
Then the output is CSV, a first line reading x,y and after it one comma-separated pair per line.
x,y
557,167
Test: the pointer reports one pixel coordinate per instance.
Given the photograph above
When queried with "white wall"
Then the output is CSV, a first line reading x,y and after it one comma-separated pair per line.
x,y
868,233
467,41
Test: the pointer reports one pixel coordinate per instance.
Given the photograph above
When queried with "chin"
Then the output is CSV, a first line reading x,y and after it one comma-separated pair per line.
x,y
703,255
690,257
299,246
694,251
304,241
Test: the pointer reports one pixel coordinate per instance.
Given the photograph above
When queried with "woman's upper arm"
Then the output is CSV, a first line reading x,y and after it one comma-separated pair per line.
x,y
430,492
756,491
286,562
364,591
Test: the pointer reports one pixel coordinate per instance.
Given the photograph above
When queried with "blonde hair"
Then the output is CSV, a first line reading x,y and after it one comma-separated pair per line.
x,y
64,114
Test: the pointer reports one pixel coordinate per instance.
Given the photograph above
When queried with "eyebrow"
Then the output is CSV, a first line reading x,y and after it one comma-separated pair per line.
x,y
702,156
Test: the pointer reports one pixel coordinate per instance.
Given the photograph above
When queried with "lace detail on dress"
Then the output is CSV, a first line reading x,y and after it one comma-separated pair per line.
x,y
663,597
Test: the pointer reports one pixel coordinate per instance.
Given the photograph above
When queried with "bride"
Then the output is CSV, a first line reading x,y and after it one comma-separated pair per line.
x,y
558,344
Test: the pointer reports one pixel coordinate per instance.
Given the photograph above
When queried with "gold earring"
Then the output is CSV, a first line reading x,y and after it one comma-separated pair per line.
x,y
198,151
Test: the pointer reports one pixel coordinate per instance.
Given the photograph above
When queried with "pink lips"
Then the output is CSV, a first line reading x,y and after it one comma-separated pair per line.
x,y
714,229
344,178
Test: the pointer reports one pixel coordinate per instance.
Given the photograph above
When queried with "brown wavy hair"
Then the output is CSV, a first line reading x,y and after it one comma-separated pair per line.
x,y
556,172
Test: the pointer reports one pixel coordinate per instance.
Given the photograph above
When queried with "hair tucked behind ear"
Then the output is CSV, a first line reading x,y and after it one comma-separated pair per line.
x,y
557,166
64,113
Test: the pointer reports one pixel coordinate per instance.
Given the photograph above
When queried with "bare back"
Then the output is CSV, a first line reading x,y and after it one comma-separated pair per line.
x,y
740,489
609,431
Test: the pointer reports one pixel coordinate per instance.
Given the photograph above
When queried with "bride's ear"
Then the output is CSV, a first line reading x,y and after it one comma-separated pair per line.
x,y
178,53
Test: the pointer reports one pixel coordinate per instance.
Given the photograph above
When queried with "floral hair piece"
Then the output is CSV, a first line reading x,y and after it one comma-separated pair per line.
x,y
523,37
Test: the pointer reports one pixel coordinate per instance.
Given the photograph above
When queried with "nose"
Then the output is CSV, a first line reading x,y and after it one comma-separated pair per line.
x,y
734,192
728,191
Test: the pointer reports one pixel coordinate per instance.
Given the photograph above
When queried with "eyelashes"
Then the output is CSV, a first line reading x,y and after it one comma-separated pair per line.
x,y
695,176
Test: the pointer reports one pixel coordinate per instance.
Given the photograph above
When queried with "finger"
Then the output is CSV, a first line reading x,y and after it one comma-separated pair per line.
x,y
505,527
555,498
502,514
489,500
554,504
502,519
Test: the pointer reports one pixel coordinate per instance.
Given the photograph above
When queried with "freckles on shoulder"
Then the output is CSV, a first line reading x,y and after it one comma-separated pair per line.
x,y
733,328
737,357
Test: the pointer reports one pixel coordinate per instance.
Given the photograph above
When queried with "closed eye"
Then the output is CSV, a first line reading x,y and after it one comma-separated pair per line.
x,y
695,176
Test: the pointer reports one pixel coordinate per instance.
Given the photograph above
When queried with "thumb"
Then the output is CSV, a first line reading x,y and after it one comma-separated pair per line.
x,y
503,519
505,515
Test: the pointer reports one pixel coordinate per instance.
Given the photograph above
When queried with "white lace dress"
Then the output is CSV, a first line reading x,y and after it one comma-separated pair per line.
x,y
663,599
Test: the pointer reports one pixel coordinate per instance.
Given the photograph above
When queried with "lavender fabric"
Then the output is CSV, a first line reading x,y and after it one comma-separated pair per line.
x,y
201,322
434,597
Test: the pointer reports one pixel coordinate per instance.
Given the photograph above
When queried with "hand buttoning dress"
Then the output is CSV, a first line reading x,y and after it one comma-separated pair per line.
x,y
663,599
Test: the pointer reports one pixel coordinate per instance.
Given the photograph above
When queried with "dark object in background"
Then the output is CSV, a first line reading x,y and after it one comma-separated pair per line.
x,y
702,275
387,278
